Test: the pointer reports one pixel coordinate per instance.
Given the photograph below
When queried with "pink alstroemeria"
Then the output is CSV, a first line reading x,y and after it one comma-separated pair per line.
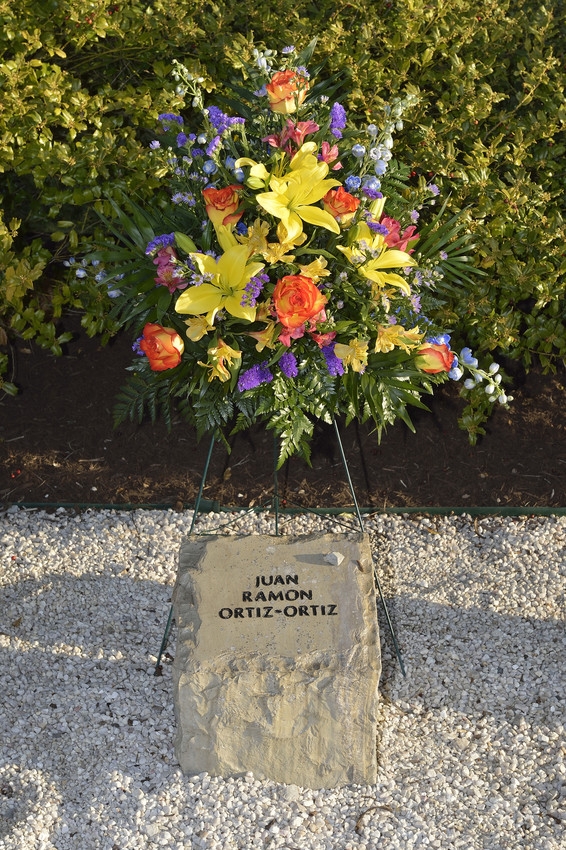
x,y
293,134
287,334
328,154
168,273
396,239
322,340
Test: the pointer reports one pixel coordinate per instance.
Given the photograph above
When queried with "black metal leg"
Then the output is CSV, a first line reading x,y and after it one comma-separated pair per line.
x,y
162,648
361,524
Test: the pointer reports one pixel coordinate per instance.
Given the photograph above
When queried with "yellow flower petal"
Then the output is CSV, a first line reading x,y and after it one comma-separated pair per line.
x,y
318,217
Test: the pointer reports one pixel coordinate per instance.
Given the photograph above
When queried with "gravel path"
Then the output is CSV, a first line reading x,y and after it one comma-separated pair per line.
x,y
472,742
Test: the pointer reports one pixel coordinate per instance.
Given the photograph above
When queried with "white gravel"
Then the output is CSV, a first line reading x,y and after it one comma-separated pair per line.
x,y
471,746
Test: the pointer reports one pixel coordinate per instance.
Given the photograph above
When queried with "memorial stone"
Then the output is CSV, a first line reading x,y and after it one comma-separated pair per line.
x,y
277,663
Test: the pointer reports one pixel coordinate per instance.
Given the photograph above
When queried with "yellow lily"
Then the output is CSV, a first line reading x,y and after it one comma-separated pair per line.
x,y
276,252
390,336
374,245
316,270
266,337
292,196
197,328
256,237
229,276
355,354
258,177
217,356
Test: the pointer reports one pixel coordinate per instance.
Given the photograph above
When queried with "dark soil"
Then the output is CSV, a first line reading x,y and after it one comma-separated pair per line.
x,y
58,446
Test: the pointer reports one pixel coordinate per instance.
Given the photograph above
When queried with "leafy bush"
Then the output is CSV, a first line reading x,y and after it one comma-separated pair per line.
x,y
83,83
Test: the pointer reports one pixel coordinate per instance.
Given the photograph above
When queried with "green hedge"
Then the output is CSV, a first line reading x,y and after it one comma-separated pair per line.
x,y
83,83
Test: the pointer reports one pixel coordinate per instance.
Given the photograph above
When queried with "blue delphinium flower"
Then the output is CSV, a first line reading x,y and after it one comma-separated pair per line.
x,y
371,188
253,377
456,371
439,339
210,167
352,183
468,358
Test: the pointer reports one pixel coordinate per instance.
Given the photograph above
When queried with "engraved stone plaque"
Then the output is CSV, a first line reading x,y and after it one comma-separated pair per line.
x,y
277,662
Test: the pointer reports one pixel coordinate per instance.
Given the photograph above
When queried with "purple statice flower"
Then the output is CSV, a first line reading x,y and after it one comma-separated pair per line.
x,y
371,193
163,241
197,152
288,364
253,289
337,120
220,121
169,117
181,139
377,227
334,364
433,189
415,215
253,377
213,146
136,347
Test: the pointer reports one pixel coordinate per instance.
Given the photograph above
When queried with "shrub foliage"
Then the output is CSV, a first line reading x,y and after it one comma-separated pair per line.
x,y
84,80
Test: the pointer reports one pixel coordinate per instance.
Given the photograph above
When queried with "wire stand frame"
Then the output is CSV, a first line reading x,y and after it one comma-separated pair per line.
x,y
276,510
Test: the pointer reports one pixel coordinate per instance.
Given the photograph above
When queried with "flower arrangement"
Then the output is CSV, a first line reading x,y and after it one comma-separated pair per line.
x,y
294,275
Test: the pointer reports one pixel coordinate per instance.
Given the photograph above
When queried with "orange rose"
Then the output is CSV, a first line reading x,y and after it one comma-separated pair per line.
x,y
434,358
163,347
297,300
341,205
286,91
221,204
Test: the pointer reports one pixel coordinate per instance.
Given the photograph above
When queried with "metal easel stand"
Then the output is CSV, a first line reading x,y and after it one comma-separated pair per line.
x,y
275,508
375,576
